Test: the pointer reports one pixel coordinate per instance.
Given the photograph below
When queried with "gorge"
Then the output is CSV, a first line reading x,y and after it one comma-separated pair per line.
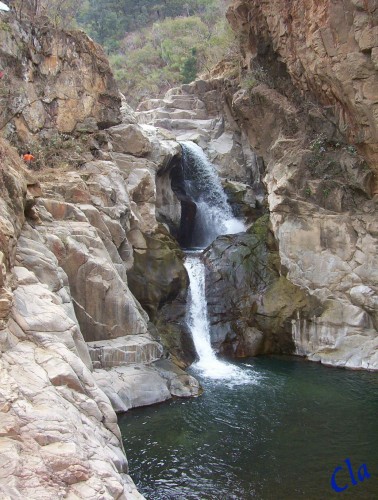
x,y
96,279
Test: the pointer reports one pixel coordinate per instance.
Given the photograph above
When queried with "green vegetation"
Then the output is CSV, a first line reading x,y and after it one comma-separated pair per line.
x,y
351,150
308,191
155,45
152,45
318,145
107,21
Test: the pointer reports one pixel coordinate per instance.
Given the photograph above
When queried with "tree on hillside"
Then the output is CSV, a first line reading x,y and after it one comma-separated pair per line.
x,y
189,68
107,21
60,12
169,53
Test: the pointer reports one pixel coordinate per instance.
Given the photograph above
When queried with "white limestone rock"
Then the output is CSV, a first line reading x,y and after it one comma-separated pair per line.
x,y
140,385
132,349
129,138
67,444
132,386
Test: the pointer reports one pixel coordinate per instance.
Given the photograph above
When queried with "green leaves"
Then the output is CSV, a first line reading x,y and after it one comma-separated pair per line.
x,y
156,44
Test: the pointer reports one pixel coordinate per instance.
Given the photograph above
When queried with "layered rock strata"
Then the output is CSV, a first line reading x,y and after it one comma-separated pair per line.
x,y
329,49
74,338
65,282
319,189
59,433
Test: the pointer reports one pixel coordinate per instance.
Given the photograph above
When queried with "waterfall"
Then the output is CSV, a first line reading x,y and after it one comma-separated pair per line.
x,y
197,319
202,184
213,218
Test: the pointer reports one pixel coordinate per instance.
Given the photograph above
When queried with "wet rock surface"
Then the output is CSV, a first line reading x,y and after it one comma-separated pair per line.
x,y
250,304
158,274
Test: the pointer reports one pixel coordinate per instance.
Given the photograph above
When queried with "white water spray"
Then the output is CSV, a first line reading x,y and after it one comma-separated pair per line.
x,y
197,319
213,218
214,215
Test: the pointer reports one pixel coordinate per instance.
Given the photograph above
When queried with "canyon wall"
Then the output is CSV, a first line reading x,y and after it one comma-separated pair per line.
x,y
329,49
53,81
315,90
293,132
92,283
88,269
59,433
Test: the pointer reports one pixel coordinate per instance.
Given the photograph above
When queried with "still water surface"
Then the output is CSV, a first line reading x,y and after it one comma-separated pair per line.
x,y
280,435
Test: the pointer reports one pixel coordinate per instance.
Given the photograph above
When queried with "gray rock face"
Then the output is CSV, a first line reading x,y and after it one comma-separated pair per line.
x,y
165,276
321,216
103,304
60,81
70,283
137,385
250,306
49,399
132,386
130,139
133,349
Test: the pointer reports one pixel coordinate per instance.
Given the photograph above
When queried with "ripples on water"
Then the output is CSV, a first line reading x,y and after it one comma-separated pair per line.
x,y
280,436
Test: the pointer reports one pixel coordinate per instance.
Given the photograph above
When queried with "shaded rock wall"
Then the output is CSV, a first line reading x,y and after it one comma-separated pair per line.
x,y
319,188
251,304
330,50
157,275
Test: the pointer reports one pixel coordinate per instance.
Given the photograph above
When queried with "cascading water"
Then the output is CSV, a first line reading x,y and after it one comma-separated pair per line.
x,y
213,218
198,322
202,184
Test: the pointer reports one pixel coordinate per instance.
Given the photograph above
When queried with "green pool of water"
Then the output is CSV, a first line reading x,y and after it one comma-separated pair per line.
x,y
280,436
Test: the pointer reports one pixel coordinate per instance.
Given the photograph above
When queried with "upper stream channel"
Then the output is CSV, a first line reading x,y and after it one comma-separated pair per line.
x,y
264,428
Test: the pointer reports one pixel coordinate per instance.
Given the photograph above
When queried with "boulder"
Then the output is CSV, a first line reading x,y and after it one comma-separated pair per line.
x,y
139,385
250,305
132,349
129,139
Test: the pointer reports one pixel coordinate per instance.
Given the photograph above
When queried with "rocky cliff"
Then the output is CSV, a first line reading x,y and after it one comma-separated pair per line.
x,y
329,49
79,333
298,127
93,288
59,433
318,102
54,81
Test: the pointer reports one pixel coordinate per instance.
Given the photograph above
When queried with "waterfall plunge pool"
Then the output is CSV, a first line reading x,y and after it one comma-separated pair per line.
x,y
280,436
266,428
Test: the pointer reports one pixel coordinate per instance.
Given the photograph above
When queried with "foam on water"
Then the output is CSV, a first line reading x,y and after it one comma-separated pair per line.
x,y
197,319
214,216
